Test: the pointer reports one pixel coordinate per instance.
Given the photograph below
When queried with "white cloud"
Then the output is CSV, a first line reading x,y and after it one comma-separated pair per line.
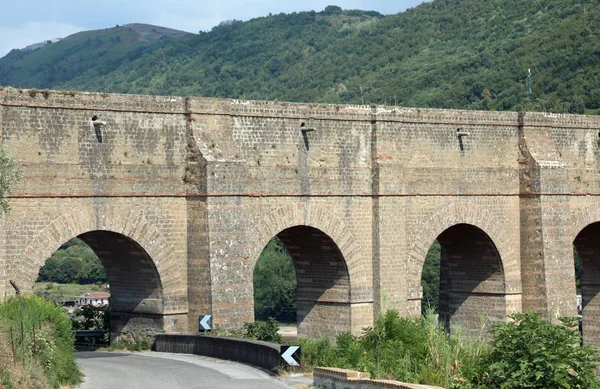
x,y
33,32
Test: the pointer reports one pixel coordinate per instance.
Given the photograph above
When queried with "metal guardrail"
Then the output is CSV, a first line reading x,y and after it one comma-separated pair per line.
x,y
93,335
89,333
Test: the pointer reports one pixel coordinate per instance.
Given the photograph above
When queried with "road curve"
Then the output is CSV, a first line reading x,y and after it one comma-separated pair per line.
x,y
151,370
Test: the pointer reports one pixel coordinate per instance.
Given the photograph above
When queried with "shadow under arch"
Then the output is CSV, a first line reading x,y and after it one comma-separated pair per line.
x,y
587,246
323,306
472,284
136,304
357,264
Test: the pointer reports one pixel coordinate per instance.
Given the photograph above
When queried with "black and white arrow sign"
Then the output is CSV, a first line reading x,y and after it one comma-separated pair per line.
x,y
291,354
204,323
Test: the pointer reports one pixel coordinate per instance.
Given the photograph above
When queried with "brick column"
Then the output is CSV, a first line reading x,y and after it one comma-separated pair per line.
x,y
198,247
3,264
388,232
546,251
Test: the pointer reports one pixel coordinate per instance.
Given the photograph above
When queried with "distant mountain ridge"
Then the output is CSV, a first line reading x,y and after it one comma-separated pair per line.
x,y
472,54
39,45
45,65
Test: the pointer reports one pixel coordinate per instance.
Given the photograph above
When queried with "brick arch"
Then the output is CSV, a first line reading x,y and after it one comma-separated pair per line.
x,y
126,222
334,293
323,220
468,231
492,225
583,217
584,237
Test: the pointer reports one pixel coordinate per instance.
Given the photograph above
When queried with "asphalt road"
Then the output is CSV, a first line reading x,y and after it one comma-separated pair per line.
x,y
150,370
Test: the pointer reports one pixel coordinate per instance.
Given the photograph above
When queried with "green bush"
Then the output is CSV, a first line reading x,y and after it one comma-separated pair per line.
x,y
405,349
529,352
42,334
135,345
263,330
318,353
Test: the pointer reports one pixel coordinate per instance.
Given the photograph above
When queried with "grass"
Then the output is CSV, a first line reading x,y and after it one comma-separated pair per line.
x,y
43,343
137,345
415,350
61,292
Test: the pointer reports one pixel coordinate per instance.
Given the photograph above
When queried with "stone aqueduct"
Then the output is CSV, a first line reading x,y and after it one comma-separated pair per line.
x,y
178,197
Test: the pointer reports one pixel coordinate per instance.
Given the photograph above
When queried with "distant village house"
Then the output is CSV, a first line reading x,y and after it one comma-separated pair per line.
x,y
96,299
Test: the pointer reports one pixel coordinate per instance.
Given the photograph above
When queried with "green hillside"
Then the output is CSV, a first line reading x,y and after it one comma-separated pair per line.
x,y
90,53
471,54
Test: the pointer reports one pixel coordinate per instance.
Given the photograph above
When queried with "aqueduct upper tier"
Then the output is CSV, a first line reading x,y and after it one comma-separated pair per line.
x,y
178,196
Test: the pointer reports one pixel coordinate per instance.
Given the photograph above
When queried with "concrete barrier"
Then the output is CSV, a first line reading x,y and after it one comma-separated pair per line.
x,y
329,377
252,352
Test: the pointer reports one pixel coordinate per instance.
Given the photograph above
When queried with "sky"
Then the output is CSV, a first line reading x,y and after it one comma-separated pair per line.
x,y
32,21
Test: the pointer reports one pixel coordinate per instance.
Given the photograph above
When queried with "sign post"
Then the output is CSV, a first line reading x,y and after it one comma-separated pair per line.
x,y
204,323
291,355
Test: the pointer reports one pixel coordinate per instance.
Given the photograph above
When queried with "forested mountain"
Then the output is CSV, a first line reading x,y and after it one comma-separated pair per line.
x,y
471,54
90,53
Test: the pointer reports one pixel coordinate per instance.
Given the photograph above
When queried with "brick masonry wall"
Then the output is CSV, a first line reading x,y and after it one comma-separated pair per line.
x,y
576,141
334,378
124,177
3,265
203,184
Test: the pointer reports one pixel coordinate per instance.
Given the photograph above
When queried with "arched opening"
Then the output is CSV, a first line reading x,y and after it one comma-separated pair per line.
x,y
322,281
274,283
469,275
586,250
131,278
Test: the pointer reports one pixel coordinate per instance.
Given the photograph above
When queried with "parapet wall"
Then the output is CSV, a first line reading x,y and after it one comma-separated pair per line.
x,y
334,378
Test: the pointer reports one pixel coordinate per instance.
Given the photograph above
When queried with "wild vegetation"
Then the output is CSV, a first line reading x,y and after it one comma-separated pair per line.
x,y
43,345
527,352
350,56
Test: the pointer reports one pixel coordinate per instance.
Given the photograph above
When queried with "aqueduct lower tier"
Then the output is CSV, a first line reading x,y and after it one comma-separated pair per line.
x,y
178,197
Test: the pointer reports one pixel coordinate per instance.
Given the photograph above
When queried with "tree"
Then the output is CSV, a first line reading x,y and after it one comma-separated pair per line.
x,y
73,262
275,284
430,279
529,352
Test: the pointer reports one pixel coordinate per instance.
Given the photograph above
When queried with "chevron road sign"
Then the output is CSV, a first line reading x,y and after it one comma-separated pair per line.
x,y
204,323
291,354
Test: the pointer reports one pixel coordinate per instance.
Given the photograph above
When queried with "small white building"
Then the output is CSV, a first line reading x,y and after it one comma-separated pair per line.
x,y
96,299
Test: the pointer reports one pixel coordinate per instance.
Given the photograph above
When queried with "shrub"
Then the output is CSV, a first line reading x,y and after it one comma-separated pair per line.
x,y
141,344
317,353
263,330
532,353
405,349
52,348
